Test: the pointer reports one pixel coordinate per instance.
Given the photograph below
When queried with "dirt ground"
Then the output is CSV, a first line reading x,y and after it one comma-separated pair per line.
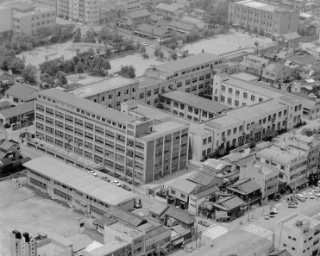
x,y
21,209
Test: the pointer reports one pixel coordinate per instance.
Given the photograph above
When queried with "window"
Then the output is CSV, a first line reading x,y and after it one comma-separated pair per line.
x,y
253,97
204,142
223,88
179,84
230,90
173,192
245,95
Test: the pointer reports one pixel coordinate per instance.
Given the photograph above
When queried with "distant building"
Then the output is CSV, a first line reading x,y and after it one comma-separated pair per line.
x,y
298,234
253,64
169,10
134,18
183,27
27,19
20,93
263,18
275,72
86,11
152,32
22,244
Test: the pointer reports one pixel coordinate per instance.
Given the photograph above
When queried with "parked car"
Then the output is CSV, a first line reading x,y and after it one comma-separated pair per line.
x,y
115,182
305,195
300,197
316,193
144,43
126,187
292,205
94,174
105,179
311,195
203,223
274,210
266,216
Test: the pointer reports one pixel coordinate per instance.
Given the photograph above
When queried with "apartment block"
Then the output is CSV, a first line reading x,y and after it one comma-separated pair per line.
x,y
139,150
266,176
22,244
292,164
192,74
27,19
191,107
109,92
85,11
260,17
298,234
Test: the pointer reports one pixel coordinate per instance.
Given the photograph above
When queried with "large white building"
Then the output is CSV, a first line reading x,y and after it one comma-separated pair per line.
x,y
138,150
298,234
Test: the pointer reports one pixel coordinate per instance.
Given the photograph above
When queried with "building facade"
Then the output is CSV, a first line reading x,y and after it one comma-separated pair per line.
x,y
263,18
51,4
298,234
85,11
138,150
6,22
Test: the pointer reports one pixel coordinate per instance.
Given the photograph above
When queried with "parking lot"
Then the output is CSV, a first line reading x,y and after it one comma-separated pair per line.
x,y
21,209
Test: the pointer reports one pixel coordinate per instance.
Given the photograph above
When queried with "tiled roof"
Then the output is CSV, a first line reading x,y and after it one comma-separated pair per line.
x,y
206,192
156,231
18,110
159,208
106,220
138,13
245,186
126,216
204,179
181,25
149,29
183,185
168,7
20,91
229,203
181,215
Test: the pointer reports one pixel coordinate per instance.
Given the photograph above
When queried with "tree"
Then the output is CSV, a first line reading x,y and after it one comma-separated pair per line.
x,y
127,71
79,68
47,79
142,48
174,56
16,65
29,74
61,78
161,55
99,66
77,36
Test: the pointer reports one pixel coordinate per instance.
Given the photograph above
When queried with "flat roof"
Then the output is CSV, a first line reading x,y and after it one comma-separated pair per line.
x,y
291,222
87,105
261,6
102,86
164,127
18,110
189,62
278,154
196,101
245,76
82,181
108,248
184,185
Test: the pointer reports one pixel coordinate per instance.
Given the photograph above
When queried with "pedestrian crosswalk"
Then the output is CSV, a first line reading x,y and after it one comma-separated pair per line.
x,y
215,231
259,231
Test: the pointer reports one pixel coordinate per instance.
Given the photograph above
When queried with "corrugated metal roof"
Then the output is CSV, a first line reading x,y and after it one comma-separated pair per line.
x,y
79,180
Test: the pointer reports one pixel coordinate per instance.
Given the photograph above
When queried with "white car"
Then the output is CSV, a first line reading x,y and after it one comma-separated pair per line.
x,y
144,43
316,192
274,210
115,182
305,195
311,195
94,174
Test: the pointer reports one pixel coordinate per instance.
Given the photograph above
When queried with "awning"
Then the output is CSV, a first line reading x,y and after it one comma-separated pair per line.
x,y
178,241
298,183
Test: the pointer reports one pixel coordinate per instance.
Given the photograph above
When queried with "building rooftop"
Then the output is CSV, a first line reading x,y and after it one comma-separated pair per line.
x,y
138,13
245,76
126,230
307,222
245,186
126,216
291,36
79,241
18,110
149,29
184,186
107,249
158,208
261,6
146,81
181,215
81,181
169,7
205,179
181,25
278,154
102,86
163,128
20,6
196,101
189,62
21,91
229,203
156,231
87,105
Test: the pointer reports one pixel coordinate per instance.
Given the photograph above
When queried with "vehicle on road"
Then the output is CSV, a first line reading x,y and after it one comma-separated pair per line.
x,y
300,197
305,195
266,216
316,193
126,187
115,182
94,174
144,43
292,205
311,195
274,210
105,179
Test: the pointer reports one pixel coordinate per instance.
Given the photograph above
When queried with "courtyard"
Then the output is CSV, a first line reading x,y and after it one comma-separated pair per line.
x,y
22,209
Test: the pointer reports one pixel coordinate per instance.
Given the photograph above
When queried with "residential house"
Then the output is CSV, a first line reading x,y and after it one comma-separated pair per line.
x,y
18,116
228,208
179,191
134,18
157,240
157,212
183,27
194,21
176,216
266,176
275,72
6,78
169,10
248,190
19,93
253,64
198,197
292,163
298,234
179,236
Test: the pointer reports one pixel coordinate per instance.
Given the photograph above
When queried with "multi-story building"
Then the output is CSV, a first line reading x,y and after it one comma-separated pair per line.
x,y
291,162
22,244
298,234
27,19
266,176
86,11
6,23
262,17
109,92
253,64
191,107
192,74
139,150
52,4
132,5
